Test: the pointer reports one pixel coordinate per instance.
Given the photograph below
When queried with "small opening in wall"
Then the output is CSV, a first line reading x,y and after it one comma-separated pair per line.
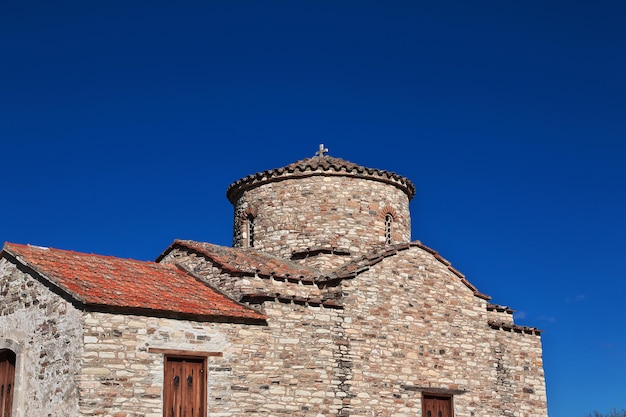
x,y
250,220
388,224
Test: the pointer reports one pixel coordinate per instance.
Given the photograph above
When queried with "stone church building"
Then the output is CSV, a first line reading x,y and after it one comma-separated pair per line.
x,y
323,306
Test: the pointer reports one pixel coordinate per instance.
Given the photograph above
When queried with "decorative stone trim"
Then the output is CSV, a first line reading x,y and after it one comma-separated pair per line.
x,y
261,297
433,390
310,252
249,211
186,353
319,165
388,210
499,308
498,325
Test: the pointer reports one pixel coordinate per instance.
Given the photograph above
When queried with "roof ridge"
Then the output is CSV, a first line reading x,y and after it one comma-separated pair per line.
x,y
73,252
356,266
297,271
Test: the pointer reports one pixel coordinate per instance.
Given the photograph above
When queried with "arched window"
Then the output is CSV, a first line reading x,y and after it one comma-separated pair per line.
x,y
388,224
7,381
250,222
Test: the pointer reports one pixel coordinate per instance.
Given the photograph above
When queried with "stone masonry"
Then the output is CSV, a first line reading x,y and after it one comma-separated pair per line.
x,y
45,332
401,328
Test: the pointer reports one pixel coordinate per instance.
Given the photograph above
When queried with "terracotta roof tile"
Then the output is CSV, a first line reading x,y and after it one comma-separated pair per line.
x,y
105,281
324,165
247,261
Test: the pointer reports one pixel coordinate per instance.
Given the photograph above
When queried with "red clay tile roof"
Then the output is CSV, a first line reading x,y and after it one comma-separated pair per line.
x,y
246,261
325,165
148,287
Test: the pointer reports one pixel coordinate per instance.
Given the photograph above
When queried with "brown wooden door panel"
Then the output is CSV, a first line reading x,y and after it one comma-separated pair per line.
x,y
184,388
7,382
436,406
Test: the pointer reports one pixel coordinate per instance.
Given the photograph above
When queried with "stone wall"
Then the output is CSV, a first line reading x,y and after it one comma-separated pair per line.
x,y
415,327
120,376
44,331
275,370
291,368
408,326
348,213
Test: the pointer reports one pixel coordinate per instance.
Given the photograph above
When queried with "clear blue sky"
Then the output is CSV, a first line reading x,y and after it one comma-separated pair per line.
x,y
122,123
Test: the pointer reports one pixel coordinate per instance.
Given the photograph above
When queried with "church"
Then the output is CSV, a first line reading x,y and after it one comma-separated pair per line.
x,y
323,306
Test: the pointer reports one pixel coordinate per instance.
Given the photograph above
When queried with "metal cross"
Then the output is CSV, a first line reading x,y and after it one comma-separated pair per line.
x,y
321,150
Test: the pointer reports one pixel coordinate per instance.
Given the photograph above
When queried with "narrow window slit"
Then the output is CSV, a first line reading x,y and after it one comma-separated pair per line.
x,y
250,220
388,223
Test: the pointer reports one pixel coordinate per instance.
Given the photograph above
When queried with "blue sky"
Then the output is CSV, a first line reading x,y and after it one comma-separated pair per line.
x,y
123,123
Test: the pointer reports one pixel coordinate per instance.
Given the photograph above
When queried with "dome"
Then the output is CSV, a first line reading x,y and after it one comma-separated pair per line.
x,y
321,207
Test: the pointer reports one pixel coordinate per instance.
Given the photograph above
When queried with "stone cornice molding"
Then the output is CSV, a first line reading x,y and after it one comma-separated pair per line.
x,y
319,166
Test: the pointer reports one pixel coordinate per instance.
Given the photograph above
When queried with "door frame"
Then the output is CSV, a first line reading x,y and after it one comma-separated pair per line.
x,y
10,358
19,397
202,359
187,354
447,397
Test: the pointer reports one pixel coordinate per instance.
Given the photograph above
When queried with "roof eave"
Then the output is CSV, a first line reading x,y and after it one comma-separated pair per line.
x,y
30,269
256,318
292,171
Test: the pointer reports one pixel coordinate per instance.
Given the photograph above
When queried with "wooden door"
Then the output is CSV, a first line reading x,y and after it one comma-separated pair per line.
x,y
436,406
184,388
7,382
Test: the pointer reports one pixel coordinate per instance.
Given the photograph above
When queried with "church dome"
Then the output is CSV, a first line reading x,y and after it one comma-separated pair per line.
x,y
319,205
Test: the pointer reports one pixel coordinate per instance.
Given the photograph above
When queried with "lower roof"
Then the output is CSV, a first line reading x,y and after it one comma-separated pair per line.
x,y
110,283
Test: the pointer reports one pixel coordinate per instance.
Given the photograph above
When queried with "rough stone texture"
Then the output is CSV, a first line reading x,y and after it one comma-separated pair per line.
x,y
408,325
280,369
44,331
120,376
322,212
414,327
